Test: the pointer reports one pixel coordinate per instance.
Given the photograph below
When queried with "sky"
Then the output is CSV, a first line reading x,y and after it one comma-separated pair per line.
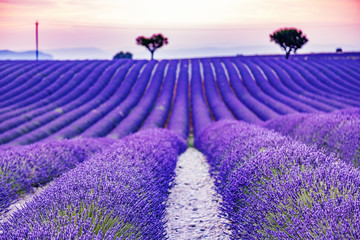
x,y
194,28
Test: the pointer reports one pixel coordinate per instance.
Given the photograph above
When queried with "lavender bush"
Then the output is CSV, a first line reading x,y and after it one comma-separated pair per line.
x,y
120,193
25,167
337,132
276,188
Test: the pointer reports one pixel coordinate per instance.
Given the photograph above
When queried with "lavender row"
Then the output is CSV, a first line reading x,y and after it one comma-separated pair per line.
x,y
160,112
239,110
88,114
82,94
103,128
337,75
179,118
258,110
332,82
94,98
9,68
352,74
343,71
249,81
216,104
112,112
19,75
308,84
34,84
59,98
30,77
337,132
49,123
297,83
307,81
25,167
283,100
49,85
86,102
139,113
120,193
201,116
275,80
332,85
276,188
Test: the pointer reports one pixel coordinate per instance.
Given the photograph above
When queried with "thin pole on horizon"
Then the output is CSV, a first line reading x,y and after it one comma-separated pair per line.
x,y
37,40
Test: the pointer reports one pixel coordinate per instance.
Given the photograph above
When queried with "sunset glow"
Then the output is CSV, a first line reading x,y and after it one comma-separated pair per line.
x,y
114,24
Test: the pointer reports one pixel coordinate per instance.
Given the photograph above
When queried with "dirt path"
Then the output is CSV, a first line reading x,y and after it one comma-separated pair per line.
x,y
21,202
193,205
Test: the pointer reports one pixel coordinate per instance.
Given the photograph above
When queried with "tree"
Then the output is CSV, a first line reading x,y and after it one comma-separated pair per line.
x,y
122,55
290,39
156,41
339,50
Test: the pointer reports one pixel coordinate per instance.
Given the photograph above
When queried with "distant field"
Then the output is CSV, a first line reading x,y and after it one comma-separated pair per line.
x,y
64,99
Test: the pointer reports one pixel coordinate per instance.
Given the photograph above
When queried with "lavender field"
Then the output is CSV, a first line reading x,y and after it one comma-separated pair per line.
x,y
282,138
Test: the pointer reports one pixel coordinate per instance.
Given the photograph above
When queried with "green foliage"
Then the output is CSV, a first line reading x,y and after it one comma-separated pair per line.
x,y
190,140
101,220
290,39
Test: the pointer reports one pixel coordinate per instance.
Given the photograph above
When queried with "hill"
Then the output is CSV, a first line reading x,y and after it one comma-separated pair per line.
x,y
78,53
26,55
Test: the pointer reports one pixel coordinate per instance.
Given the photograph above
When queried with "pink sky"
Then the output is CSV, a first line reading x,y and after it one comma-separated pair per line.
x,y
231,25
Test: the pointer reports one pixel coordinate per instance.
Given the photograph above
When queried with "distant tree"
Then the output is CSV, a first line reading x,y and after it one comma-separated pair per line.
x,y
156,41
290,39
122,55
339,50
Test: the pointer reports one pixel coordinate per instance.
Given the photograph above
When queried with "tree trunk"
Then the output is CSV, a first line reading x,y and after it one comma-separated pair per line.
x,y
287,54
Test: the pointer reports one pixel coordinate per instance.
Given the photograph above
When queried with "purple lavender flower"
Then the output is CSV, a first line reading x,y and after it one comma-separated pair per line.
x,y
337,132
119,193
274,187
25,167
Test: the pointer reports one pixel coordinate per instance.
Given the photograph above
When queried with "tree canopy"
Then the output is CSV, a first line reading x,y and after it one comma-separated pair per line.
x,y
154,42
290,39
122,55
